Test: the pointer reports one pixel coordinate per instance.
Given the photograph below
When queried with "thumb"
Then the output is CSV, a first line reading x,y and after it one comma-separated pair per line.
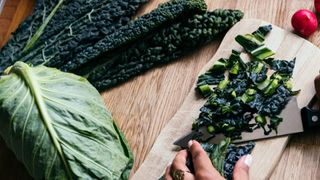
x,y
241,170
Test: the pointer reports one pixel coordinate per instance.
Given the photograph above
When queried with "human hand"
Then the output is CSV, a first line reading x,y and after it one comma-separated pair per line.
x,y
203,167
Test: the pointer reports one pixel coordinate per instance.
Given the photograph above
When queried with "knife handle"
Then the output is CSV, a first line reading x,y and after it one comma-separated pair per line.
x,y
310,118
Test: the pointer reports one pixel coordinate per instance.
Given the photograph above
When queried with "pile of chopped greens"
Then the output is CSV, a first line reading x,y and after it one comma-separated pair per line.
x,y
239,91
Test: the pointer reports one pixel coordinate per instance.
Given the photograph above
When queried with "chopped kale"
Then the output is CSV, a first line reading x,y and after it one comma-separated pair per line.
x,y
246,97
234,153
253,43
283,67
223,156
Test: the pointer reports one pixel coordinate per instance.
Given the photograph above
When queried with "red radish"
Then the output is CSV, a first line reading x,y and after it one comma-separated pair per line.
x,y
317,5
304,22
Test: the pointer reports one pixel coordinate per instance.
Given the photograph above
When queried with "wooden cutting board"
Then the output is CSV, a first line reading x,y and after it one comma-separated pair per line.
x,y
266,153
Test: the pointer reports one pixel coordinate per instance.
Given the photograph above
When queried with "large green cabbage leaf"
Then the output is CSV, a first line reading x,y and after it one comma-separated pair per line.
x,y
57,125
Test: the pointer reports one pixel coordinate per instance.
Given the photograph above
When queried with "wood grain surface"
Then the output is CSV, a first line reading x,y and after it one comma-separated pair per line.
x,y
144,105
266,153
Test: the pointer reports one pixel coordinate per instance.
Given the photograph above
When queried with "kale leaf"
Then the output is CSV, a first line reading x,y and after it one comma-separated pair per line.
x,y
135,30
103,20
169,43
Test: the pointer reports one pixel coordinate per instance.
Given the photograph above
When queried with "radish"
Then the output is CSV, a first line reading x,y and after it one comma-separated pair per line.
x,y
304,22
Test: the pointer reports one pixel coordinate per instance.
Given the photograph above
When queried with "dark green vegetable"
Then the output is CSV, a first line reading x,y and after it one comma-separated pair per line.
x,y
57,125
223,84
24,32
167,44
245,92
224,156
253,43
282,67
205,90
234,153
217,153
248,96
112,14
88,44
164,15
101,21
58,29
219,66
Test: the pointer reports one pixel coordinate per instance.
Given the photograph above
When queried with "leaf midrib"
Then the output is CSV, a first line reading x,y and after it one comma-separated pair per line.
x,y
28,76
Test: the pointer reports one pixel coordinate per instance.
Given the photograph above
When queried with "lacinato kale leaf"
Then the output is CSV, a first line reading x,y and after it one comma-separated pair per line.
x,y
103,20
135,30
242,97
24,32
59,29
168,44
57,125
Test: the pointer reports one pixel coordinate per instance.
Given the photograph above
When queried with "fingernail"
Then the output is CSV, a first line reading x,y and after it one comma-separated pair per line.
x,y
248,160
190,143
169,164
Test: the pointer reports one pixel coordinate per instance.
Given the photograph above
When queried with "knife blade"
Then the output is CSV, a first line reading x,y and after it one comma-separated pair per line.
x,y
292,123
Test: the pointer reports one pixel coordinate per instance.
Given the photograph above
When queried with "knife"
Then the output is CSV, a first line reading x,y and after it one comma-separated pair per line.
x,y
295,120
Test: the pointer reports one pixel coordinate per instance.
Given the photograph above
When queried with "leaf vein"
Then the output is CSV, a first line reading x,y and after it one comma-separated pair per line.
x,y
75,110
24,127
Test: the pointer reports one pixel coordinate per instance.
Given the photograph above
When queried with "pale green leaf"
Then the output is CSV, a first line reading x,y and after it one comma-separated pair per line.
x,y
57,125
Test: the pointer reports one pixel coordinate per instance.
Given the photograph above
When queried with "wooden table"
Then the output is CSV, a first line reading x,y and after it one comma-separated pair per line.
x,y
143,106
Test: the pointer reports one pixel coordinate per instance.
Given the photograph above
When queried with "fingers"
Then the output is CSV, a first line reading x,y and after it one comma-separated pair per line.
x,y
202,164
241,169
179,163
180,160
167,175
